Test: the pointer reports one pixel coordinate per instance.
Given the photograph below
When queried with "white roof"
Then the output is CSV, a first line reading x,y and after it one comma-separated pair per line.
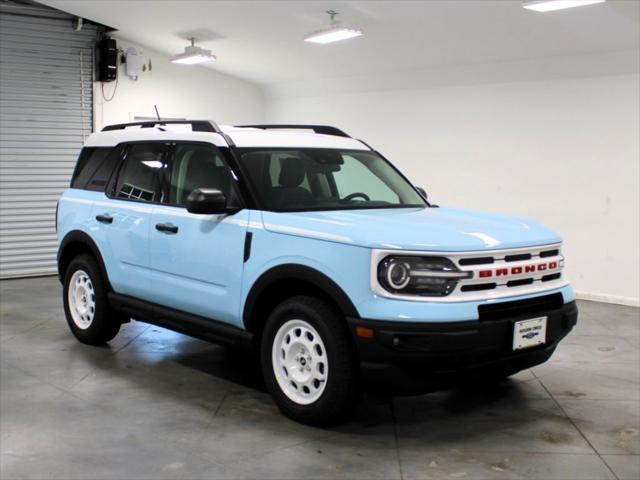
x,y
241,136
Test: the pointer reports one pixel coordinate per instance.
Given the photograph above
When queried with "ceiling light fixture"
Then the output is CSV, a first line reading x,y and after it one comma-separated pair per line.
x,y
334,33
551,5
193,55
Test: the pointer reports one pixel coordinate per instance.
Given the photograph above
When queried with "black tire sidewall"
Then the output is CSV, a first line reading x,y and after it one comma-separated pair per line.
x,y
103,328
342,388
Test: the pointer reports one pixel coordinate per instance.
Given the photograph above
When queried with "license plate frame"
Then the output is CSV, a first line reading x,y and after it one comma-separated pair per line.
x,y
529,333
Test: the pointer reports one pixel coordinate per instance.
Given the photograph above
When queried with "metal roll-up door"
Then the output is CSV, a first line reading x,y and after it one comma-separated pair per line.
x,y
46,111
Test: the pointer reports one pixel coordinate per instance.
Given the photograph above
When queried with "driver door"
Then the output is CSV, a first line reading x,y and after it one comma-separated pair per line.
x,y
197,260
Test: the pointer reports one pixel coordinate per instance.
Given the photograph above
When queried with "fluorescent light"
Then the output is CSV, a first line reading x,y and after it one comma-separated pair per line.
x,y
193,55
334,33
551,5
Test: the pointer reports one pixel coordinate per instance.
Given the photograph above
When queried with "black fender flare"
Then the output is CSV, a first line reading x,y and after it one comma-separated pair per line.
x,y
80,237
292,271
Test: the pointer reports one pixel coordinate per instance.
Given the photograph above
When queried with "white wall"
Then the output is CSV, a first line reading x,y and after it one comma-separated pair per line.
x,y
565,152
193,92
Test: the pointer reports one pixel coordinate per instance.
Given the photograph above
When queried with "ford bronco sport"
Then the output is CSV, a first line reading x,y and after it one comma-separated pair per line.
x,y
309,247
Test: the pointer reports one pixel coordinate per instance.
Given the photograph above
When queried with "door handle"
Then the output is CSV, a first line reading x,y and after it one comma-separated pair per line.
x,y
104,218
166,227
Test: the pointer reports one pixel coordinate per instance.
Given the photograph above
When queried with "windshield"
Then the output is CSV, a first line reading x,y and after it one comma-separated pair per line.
x,y
326,179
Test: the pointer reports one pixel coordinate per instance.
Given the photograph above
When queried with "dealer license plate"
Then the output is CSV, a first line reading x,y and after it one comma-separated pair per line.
x,y
529,333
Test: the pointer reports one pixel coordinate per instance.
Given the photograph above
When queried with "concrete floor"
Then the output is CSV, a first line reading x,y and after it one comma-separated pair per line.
x,y
155,404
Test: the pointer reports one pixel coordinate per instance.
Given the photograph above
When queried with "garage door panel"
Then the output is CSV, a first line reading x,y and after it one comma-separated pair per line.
x,y
46,102
28,224
35,89
49,97
41,77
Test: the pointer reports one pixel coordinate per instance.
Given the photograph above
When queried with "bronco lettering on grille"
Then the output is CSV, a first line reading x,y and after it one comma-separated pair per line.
x,y
501,272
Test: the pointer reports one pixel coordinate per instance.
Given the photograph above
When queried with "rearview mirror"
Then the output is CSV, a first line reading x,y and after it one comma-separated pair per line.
x,y
207,201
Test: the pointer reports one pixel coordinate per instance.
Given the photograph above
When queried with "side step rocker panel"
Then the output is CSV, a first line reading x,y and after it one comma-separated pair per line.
x,y
188,324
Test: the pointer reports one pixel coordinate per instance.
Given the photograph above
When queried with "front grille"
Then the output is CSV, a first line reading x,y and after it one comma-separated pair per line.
x,y
530,306
548,278
511,271
490,274
476,261
515,258
517,283
477,287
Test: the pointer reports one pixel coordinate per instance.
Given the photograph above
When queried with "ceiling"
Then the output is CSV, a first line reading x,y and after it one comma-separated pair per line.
x,y
261,41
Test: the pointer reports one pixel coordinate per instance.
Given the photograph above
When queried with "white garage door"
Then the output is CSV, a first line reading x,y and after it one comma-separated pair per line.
x,y
46,109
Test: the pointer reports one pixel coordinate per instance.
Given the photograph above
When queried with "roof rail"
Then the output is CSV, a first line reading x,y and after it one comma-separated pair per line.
x,y
196,125
322,129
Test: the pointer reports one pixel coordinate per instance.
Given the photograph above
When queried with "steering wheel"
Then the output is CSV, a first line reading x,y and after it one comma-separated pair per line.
x,y
351,196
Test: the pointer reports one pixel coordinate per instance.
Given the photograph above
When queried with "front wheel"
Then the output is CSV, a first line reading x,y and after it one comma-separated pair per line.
x,y
309,363
85,302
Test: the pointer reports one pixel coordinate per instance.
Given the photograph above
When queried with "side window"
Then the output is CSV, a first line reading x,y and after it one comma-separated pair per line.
x,y
101,176
139,177
89,162
198,166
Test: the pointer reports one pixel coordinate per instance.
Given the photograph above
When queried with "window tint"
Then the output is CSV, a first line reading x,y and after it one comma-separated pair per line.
x,y
89,162
139,177
355,173
326,179
198,166
100,178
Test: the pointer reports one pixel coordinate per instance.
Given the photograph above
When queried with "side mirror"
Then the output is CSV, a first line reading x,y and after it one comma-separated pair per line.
x,y
423,192
207,201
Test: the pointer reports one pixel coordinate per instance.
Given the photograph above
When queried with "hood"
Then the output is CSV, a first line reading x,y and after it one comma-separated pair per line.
x,y
437,229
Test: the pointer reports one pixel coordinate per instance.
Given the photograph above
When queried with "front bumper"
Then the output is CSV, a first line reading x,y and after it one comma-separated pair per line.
x,y
415,357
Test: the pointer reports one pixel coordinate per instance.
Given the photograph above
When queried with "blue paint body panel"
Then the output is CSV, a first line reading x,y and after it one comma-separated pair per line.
x,y
202,270
434,229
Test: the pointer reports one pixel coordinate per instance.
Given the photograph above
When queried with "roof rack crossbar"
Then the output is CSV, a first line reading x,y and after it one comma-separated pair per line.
x,y
196,125
321,129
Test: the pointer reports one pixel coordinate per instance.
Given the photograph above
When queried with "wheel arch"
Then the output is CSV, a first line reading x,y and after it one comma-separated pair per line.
x,y
287,280
75,243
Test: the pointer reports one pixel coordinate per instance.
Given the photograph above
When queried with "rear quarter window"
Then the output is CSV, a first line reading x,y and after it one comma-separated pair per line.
x,y
95,166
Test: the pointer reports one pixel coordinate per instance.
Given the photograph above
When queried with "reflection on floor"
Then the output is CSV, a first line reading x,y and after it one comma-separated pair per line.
x,y
155,404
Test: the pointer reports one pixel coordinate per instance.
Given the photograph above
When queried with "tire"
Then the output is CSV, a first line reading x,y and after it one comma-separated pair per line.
x,y
317,382
85,302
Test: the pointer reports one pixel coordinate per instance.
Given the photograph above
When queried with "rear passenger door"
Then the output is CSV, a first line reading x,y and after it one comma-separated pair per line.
x,y
123,219
197,260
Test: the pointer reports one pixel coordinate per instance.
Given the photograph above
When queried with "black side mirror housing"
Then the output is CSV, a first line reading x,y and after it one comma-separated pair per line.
x,y
423,192
207,201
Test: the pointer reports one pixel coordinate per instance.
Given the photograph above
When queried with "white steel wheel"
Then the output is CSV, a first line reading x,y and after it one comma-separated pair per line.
x,y
82,299
300,362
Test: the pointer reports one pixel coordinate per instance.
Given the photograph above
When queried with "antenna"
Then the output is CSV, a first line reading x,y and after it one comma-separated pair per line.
x,y
157,114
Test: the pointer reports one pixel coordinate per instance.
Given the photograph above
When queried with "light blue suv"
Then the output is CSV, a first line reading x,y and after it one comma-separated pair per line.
x,y
308,247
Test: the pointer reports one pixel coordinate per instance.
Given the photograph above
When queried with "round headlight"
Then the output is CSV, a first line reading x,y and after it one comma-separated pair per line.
x,y
398,275
417,275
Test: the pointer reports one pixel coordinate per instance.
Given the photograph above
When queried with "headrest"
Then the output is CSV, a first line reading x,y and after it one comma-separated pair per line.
x,y
292,172
201,155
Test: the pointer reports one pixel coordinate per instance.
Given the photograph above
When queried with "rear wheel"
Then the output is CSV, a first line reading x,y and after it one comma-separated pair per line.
x,y
85,302
309,363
